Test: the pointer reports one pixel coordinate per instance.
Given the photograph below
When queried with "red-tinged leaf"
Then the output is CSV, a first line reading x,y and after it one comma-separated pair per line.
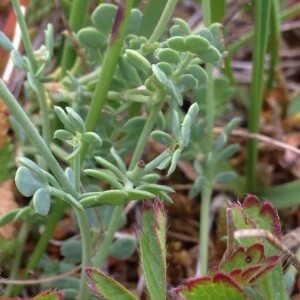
x,y
105,286
243,259
221,287
50,295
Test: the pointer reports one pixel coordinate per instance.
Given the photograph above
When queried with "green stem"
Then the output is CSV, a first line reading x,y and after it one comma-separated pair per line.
x,y
139,149
35,138
108,68
208,170
76,19
46,129
151,15
163,21
262,13
274,42
204,227
77,169
103,250
18,256
86,253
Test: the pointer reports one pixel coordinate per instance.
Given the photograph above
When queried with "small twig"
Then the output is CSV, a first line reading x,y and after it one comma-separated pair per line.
x,y
39,281
72,38
273,240
260,138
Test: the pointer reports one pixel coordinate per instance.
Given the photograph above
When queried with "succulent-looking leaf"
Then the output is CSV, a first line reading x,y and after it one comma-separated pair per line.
x,y
169,56
153,249
177,43
123,247
27,182
92,138
5,42
71,250
196,44
105,286
138,61
103,17
41,201
92,38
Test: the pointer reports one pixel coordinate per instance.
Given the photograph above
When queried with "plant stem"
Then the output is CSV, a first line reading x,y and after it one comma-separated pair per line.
x,y
208,170
46,129
108,68
35,138
262,13
77,169
103,250
163,21
86,253
76,19
275,42
151,119
151,15
22,237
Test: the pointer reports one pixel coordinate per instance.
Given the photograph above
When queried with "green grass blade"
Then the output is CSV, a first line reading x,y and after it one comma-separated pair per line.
x,y
262,13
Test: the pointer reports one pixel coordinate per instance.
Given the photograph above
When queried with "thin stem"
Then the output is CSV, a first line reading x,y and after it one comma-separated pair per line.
x,y
35,138
46,129
76,19
209,168
57,212
77,169
86,253
262,13
139,149
108,68
18,255
204,228
103,250
275,41
163,21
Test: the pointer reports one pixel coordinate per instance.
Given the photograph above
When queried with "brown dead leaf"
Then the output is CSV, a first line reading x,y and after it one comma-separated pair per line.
x,y
8,203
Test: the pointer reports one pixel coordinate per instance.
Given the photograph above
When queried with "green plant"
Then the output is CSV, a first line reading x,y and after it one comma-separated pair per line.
x,y
251,266
141,73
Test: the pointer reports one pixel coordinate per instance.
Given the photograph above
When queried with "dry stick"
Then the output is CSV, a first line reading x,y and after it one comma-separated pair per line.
x,y
260,138
72,38
39,281
272,239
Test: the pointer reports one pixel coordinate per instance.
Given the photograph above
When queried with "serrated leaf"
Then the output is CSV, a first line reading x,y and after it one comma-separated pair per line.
x,y
105,286
27,182
42,201
221,287
123,247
